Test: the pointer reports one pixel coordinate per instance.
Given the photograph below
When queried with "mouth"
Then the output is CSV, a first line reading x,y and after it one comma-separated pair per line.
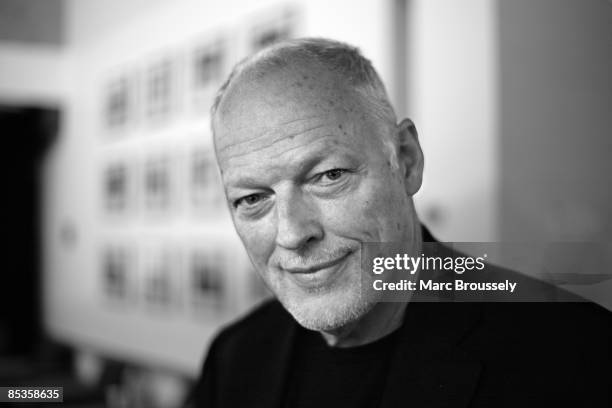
x,y
318,275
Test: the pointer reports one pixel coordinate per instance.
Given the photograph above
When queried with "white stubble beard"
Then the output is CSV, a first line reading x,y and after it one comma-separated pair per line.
x,y
328,310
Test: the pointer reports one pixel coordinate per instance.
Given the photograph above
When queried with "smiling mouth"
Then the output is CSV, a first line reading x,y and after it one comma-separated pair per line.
x,y
318,275
317,267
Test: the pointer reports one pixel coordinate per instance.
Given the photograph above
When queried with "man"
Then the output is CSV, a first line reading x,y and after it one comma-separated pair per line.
x,y
314,163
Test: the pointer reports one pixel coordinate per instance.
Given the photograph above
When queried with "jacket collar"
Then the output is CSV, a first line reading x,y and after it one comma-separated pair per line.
x,y
428,367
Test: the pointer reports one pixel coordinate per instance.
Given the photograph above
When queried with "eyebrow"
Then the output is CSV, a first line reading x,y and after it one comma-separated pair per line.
x,y
298,169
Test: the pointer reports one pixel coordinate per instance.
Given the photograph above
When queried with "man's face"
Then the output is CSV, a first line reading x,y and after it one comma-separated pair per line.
x,y
308,179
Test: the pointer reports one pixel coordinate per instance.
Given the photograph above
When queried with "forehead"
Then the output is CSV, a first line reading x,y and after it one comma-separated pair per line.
x,y
275,86
285,107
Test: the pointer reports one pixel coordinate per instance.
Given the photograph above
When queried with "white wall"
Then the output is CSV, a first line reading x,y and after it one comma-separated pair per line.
x,y
453,100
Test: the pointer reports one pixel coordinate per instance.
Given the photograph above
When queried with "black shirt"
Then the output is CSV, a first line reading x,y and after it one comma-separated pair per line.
x,y
324,376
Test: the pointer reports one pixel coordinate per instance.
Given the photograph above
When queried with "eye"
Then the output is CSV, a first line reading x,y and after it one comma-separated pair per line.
x,y
249,201
334,174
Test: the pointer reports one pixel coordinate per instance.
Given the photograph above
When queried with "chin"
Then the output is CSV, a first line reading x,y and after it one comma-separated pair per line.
x,y
328,312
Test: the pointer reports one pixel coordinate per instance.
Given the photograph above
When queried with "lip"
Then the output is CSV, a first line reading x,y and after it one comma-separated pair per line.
x,y
319,275
315,268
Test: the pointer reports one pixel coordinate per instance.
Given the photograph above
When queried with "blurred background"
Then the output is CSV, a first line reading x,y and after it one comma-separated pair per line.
x,y
120,258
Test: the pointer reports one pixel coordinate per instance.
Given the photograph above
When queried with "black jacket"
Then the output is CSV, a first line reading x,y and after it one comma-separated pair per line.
x,y
447,355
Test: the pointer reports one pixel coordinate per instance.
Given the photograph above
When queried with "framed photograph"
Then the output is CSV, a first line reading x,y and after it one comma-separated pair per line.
x,y
158,185
116,188
160,89
118,105
117,271
206,283
209,66
160,288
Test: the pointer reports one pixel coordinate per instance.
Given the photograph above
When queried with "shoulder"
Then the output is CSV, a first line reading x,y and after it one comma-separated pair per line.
x,y
254,330
575,322
545,315
541,305
239,350
543,352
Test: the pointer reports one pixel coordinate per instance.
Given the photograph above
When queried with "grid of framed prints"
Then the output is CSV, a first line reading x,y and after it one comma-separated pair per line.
x,y
153,92
159,171
198,280
152,89
162,184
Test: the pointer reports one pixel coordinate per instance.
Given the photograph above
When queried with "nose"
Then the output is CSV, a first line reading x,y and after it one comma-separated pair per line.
x,y
297,220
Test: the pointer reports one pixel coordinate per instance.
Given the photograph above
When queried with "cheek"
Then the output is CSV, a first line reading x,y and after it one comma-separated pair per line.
x,y
258,240
375,212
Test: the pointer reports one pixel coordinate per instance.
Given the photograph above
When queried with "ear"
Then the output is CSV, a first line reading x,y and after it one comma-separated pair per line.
x,y
410,156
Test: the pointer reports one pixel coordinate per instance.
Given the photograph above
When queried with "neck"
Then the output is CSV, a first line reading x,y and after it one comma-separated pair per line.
x,y
383,319
379,322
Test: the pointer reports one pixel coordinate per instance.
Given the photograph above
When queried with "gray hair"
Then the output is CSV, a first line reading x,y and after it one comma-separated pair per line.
x,y
335,56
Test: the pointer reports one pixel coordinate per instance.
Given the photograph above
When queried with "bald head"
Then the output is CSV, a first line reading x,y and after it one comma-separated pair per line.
x,y
330,72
